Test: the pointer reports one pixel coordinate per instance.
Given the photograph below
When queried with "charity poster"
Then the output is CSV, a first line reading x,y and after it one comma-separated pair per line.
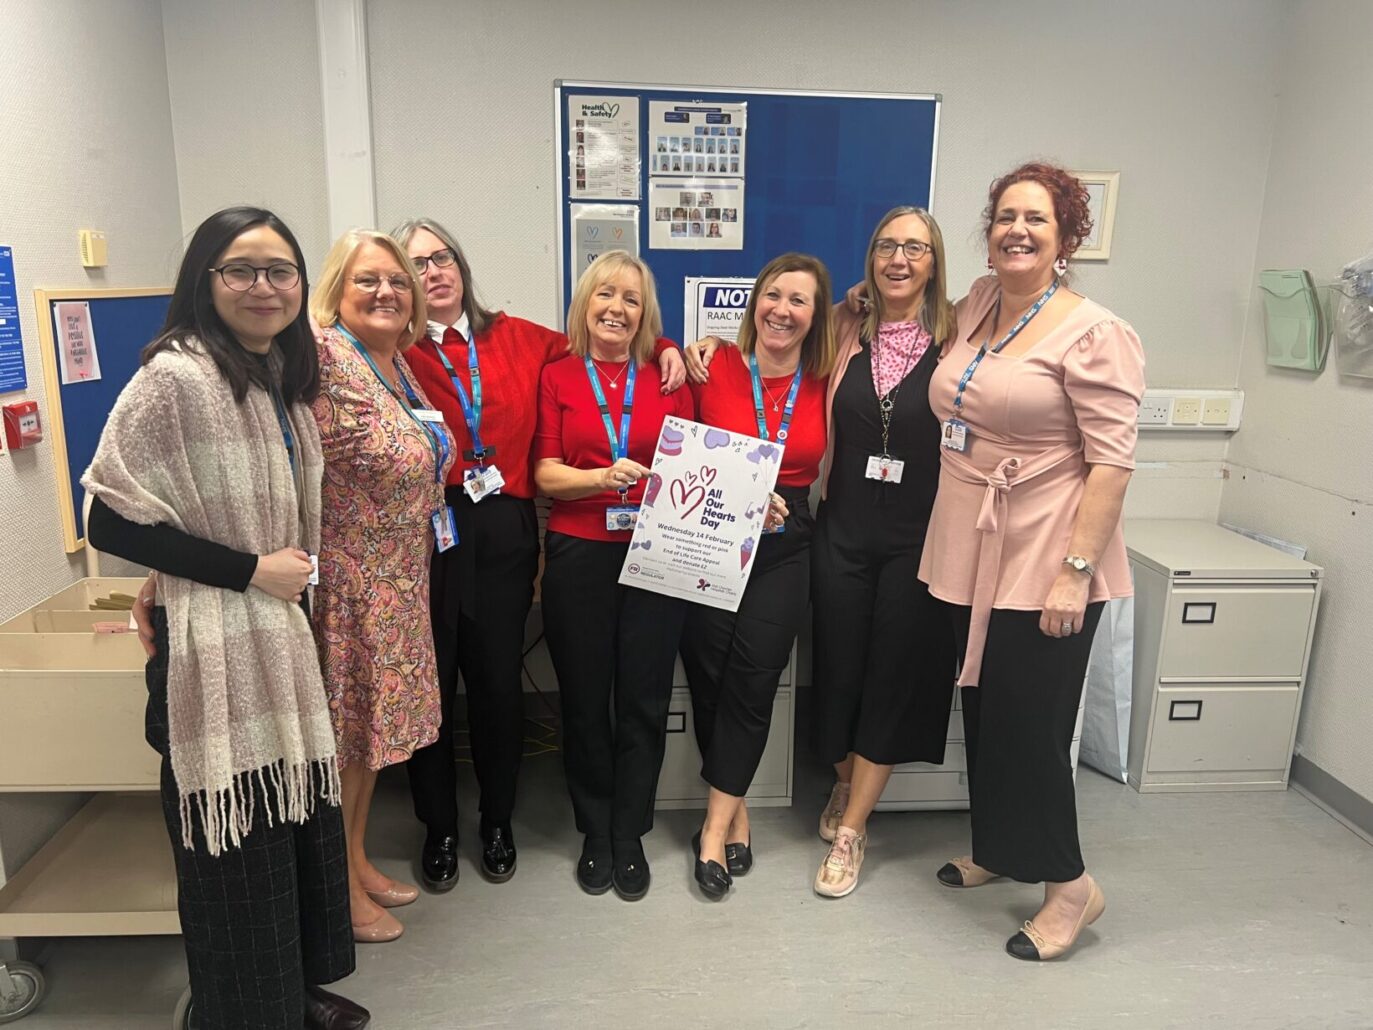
x,y
603,156
597,228
714,307
13,375
702,514
696,214
76,353
697,139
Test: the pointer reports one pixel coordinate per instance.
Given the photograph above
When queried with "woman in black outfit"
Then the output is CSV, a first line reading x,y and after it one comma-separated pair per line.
x,y
251,803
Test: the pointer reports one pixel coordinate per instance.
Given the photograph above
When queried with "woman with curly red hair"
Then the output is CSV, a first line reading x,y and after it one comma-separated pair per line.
x,y
1037,397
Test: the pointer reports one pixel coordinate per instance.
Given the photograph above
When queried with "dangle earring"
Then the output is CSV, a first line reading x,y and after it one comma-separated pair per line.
x,y
1061,267
989,262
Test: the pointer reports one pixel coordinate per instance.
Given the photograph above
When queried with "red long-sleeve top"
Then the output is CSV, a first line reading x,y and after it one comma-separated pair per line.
x,y
571,429
511,353
726,402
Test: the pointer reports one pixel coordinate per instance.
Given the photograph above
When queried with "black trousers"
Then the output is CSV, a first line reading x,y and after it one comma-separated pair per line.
x,y
262,920
606,639
479,597
1018,728
734,660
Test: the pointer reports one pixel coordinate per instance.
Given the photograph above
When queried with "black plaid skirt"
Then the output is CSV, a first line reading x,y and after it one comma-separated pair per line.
x,y
261,920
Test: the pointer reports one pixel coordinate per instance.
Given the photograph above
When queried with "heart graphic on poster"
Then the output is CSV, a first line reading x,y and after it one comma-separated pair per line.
x,y
686,496
614,109
592,231
707,475
619,233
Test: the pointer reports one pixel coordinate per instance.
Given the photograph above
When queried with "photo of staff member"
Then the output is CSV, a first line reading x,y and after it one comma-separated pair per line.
x,y
581,153
734,165
679,214
717,130
662,144
701,130
581,123
712,214
729,214
696,215
677,163
676,144
700,162
662,214
732,130
677,229
734,146
686,199
705,199
581,182
713,230
697,228
698,145
581,136
710,144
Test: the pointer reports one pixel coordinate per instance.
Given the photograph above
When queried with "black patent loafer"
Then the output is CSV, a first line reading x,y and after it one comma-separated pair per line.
x,y
325,1011
498,853
713,878
739,858
439,862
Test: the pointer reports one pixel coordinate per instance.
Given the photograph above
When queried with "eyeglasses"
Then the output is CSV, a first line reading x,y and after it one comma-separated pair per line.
x,y
243,277
371,283
914,249
441,258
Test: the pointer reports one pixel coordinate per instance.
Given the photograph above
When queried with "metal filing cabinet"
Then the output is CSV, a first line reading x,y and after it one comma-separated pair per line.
x,y
1223,629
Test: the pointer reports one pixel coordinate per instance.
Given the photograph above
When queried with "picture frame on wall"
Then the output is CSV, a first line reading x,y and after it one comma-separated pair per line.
x,y
1102,188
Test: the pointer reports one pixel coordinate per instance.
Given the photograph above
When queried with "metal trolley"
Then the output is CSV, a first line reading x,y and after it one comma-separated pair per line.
x,y
71,720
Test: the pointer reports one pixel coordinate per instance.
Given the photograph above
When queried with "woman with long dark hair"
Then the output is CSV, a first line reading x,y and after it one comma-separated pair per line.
x,y
208,471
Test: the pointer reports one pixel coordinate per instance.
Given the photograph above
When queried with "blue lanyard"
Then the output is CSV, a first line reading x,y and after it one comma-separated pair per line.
x,y
280,405
787,410
437,438
471,406
982,351
619,445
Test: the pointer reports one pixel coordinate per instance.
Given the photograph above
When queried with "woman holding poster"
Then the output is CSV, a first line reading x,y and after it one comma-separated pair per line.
x,y
599,419
773,384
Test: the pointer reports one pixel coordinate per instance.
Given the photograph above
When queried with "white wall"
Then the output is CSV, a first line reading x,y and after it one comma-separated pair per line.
x,y
88,144
1301,466
247,114
1176,96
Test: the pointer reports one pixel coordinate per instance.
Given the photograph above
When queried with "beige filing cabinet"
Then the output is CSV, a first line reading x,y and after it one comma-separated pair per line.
x,y
919,786
1223,629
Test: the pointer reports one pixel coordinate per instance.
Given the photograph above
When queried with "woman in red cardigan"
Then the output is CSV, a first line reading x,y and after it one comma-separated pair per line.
x,y
772,385
596,435
481,370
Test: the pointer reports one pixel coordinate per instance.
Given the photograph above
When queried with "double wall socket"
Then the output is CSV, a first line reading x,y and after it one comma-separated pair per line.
x,y
1211,410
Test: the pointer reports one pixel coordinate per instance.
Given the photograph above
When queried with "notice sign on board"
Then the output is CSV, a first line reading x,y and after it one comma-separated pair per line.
x,y
12,373
715,307
76,342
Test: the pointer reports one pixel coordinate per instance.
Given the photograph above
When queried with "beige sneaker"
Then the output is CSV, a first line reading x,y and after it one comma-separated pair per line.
x,y
834,811
838,874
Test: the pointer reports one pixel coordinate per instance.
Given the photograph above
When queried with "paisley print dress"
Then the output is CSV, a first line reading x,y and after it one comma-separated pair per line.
x,y
371,608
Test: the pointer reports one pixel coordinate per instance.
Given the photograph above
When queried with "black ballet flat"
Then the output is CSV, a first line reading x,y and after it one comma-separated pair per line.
x,y
713,879
739,858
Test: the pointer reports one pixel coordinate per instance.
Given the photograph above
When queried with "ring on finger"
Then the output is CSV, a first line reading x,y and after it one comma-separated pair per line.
x,y
1067,627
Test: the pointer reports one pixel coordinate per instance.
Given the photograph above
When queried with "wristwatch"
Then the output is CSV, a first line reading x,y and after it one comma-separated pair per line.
x,y
1080,564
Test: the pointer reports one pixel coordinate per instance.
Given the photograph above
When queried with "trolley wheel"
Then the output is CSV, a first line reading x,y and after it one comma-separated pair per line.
x,y
28,990
181,1018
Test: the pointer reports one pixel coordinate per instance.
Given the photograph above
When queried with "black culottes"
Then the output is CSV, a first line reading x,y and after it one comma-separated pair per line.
x,y
262,920
1018,728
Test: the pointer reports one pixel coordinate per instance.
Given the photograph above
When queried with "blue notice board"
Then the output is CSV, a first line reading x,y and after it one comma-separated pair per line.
x,y
820,170
12,374
123,323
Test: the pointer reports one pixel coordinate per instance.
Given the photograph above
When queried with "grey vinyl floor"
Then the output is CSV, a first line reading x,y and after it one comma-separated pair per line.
x,y
1223,910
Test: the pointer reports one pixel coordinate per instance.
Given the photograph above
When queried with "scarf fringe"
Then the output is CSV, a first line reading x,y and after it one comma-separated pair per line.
x,y
288,794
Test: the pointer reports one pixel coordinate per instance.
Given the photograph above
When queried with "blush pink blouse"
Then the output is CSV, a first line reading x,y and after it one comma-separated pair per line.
x,y
1006,506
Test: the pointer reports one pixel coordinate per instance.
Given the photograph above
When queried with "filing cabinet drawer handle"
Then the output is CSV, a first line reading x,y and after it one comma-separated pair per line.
x,y
1184,711
676,722
1199,611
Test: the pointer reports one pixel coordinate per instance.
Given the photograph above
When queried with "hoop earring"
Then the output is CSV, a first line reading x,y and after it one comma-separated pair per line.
x,y
1061,267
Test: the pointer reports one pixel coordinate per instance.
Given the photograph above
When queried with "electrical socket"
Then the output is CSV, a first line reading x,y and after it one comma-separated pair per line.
x,y
1215,411
1154,411
1186,411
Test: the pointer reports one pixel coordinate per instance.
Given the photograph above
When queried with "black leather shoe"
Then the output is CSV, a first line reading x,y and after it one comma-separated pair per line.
x,y
631,877
594,868
498,852
439,862
325,1011
713,879
739,858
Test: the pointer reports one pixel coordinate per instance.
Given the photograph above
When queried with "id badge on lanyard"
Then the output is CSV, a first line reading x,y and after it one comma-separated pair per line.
x,y
784,427
482,480
621,517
